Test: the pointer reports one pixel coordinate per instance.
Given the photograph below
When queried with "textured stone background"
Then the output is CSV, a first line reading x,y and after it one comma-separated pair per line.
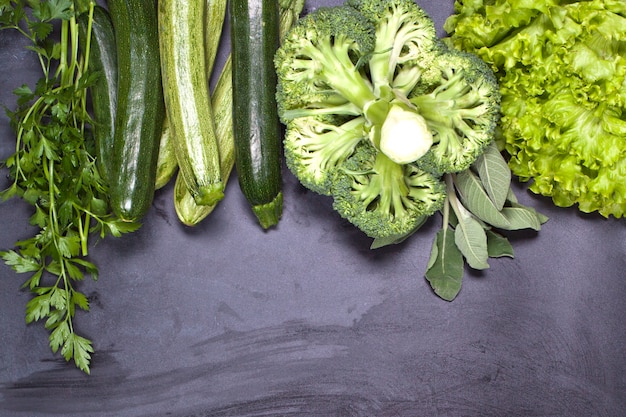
x,y
304,320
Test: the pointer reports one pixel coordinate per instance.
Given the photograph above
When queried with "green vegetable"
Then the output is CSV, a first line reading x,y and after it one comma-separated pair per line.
x,y
54,169
188,212
479,205
396,126
140,108
184,69
374,72
103,61
215,13
167,164
560,66
255,36
289,13
383,198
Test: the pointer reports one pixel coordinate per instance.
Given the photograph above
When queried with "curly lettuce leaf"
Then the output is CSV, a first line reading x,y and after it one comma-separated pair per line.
x,y
561,67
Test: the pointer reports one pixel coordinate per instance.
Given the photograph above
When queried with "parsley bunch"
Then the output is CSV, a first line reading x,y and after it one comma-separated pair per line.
x,y
54,170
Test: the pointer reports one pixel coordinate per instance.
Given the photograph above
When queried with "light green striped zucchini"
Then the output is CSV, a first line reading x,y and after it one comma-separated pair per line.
x,y
190,213
187,210
167,164
187,97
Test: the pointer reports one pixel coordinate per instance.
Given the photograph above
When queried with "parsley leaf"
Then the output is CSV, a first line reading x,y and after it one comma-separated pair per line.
x,y
53,170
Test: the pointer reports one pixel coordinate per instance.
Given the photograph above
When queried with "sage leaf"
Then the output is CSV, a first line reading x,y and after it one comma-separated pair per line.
x,y
476,200
434,253
495,175
445,271
498,246
471,240
522,217
511,197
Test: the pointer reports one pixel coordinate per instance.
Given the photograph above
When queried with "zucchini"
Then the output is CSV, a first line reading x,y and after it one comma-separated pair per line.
x,y
167,164
254,26
189,213
290,11
184,69
140,107
214,24
103,62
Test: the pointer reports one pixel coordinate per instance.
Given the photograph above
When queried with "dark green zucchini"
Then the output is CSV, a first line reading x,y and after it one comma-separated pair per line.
x,y
140,107
103,62
254,26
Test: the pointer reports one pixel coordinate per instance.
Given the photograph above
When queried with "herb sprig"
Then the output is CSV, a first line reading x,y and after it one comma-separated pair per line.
x,y
54,170
480,204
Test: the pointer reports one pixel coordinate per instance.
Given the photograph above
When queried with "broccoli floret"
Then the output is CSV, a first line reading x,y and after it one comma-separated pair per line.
x,y
383,198
460,100
318,64
315,146
377,109
405,39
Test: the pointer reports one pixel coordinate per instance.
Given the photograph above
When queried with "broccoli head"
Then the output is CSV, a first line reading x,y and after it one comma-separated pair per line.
x,y
383,198
377,109
460,99
318,63
405,39
315,146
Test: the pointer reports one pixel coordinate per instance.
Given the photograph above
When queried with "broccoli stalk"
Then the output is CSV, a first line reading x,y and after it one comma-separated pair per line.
x,y
329,59
404,136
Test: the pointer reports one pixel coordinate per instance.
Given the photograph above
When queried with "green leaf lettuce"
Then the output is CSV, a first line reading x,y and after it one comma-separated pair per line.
x,y
561,67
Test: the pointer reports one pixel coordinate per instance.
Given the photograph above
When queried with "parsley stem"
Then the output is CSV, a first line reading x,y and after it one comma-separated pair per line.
x,y
60,253
88,40
33,39
74,67
53,170
51,200
61,70
83,231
